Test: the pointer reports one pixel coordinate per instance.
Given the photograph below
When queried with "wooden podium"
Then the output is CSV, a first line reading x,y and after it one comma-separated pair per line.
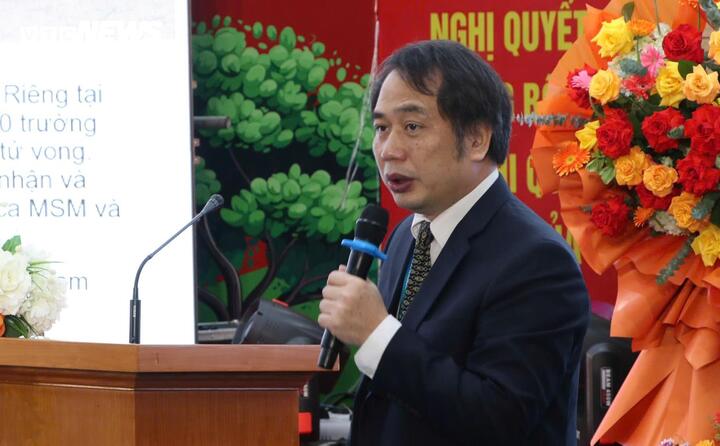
x,y
68,393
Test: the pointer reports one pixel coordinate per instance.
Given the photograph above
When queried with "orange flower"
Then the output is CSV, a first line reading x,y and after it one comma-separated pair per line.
x,y
2,325
681,208
629,168
570,159
642,215
691,3
659,179
641,27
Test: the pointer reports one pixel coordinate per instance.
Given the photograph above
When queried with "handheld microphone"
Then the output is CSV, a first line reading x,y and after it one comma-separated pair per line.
x,y
370,231
213,203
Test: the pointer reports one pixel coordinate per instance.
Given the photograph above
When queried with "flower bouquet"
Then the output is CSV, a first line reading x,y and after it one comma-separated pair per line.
x,y
629,137
706,442
31,294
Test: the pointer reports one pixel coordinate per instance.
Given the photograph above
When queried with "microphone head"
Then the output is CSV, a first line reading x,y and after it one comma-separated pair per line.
x,y
214,202
372,224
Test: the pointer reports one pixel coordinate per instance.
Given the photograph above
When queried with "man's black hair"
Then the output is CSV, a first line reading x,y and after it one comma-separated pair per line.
x,y
470,93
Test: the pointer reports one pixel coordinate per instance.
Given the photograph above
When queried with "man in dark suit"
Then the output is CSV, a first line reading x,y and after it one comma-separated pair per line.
x,y
473,335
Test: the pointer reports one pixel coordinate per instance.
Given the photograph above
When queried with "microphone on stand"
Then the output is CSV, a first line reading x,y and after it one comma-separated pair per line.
x,y
213,203
370,231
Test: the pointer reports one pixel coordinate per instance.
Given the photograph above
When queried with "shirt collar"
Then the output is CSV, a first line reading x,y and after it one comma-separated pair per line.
x,y
444,224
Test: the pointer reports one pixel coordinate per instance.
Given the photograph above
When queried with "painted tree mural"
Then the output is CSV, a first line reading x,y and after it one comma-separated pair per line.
x,y
298,126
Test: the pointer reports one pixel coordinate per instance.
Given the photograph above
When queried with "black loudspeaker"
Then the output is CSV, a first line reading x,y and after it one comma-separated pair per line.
x,y
604,365
269,322
273,323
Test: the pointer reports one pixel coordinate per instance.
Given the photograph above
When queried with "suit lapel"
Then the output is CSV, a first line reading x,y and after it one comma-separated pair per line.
x,y
399,252
455,249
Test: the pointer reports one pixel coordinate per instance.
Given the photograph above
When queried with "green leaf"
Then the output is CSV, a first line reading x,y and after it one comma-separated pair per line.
x,y
297,211
318,48
326,93
257,30
259,186
632,66
255,224
627,11
231,217
597,110
225,42
607,174
11,244
330,111
676,262
284,138
685,67
595,165
288,38
277,229
268,88
711,12
294,171
715,215
17,327
705,206
326,224
206,62
354,189
291,190
321,177
677,132
271,32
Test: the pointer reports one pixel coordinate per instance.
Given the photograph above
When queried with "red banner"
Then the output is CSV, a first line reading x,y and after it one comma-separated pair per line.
x,y
522,40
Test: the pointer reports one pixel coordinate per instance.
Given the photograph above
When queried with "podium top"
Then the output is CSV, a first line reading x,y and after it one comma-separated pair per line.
x,y
39,353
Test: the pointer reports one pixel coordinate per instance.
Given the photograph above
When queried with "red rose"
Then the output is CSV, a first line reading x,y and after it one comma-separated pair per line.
x,y
697,173
579,94
684,43
703,129
611,217
615,135
649,200
656,127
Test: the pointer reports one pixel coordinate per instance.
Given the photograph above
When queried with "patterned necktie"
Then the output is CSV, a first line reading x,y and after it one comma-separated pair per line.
x,y
419,269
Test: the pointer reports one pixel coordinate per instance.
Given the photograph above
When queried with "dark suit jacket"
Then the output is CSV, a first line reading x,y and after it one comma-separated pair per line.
x,y
488,352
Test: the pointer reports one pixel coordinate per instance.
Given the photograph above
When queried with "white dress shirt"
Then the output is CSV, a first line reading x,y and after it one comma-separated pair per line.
x,y
369,354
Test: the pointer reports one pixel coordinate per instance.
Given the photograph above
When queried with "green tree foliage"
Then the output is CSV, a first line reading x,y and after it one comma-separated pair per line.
x,y
206,182
289,104
280,95
297,203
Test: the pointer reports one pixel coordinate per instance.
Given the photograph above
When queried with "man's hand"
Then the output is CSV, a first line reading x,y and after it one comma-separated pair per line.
x,y
351,307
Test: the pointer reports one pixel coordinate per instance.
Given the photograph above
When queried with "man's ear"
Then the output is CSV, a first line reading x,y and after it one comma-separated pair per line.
x,y
477,142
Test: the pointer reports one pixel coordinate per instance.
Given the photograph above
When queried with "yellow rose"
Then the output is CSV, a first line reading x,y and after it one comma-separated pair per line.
x,y
669,85
714,50
681,208
614,37
586,135
629,168
605,86
659,179
700,86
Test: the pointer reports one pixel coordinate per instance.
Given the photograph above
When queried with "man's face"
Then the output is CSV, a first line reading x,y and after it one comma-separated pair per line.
x,y
416,150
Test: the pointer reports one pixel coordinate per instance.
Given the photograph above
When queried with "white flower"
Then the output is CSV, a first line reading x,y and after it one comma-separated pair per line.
x,y
15,282
47,298
664,30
